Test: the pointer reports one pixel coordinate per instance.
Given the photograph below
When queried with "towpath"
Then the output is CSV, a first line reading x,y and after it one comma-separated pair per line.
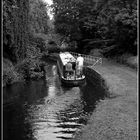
x,y
116,117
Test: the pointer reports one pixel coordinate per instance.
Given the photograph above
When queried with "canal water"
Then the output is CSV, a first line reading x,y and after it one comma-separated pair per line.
x,y
45,110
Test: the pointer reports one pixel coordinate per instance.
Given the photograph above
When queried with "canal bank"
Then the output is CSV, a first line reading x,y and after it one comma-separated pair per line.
x,y
115,117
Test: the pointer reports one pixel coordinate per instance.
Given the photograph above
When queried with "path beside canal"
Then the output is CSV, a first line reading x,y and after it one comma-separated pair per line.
x,y
116,117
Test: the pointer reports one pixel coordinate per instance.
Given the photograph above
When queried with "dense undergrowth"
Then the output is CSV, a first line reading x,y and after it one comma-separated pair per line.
x,y
22,51
126,59
10,75
29,68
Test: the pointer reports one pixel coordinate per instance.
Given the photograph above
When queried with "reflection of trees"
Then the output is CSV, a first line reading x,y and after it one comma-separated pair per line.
x,y
91,95
52,82
12,93
17,117
35,90
18,120
15,126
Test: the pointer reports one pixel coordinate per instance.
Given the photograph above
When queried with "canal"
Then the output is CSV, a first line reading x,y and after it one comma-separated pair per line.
x,y
45,110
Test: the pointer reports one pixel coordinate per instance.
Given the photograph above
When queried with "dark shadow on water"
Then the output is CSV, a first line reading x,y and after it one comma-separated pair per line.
x,y
67,132
14,125
91,96
65,138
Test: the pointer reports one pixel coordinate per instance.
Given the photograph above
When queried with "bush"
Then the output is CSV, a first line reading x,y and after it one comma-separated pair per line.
x,y
10,75
31,66
127,59
96,52
36,75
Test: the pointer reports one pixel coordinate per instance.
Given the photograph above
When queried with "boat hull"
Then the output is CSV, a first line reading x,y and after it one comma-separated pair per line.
x,y
70,82
77,82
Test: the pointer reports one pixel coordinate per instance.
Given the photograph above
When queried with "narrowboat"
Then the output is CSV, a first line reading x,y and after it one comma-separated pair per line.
x,y
68,72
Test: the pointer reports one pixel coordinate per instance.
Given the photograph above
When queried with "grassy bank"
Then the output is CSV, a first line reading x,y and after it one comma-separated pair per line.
x,y
114,118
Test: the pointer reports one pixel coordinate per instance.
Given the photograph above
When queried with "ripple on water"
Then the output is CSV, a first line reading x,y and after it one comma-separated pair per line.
x,y
59,119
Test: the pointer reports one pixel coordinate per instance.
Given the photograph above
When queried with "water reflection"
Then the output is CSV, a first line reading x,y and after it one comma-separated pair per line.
x,y
45,110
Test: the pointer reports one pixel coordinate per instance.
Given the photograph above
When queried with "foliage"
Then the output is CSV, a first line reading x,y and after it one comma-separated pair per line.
x,y
29,68
91,20
120,24
31,65
22,19
37,41
66,17
15,28
38,17
10,75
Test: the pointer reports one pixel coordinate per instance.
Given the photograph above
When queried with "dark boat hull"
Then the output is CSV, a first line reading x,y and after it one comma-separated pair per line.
x,y
77,82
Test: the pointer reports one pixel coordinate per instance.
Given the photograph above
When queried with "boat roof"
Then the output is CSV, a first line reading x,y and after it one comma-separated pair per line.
x,y
67,57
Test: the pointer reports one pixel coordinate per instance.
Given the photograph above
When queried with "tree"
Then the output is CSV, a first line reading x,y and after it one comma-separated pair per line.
x,y
38,17
98,20
15,28
67,17
22,18
118,21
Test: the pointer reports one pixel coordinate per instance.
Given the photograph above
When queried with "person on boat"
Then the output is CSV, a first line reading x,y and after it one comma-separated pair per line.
x,y
69,70
80,63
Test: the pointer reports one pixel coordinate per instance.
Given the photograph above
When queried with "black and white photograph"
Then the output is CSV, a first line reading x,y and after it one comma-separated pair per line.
x,y
70,70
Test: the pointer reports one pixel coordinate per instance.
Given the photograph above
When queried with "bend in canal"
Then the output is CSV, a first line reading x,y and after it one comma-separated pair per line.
x,y
43,109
